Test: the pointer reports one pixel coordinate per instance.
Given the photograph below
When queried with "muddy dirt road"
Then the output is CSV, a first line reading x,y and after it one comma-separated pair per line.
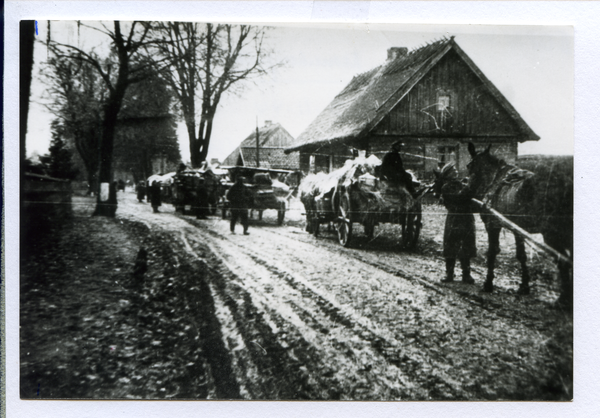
x,y
278,314
304,318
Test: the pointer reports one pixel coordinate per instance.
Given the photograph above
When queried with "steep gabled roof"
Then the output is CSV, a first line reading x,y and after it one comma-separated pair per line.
x,y
363,103
273,139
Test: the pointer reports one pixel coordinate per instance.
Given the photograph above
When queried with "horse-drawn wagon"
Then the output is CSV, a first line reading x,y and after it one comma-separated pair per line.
x,y
198,189
268,192
354,194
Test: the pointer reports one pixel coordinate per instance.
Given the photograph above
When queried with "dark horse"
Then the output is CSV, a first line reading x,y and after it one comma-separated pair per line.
x,y
537,196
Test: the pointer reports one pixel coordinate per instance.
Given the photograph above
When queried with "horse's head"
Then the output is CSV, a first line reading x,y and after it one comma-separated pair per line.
x,y
442,176
482,170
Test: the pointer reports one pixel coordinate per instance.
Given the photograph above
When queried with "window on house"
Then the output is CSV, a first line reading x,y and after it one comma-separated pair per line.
x,y
447,155
443,102
311,164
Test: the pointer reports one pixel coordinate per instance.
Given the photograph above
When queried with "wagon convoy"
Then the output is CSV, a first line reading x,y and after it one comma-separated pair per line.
x,y
202,191
353,193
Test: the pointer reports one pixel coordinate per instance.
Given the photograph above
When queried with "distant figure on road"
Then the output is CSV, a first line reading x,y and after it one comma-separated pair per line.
x,y
141,191
459,230
240,199
155,196
392,168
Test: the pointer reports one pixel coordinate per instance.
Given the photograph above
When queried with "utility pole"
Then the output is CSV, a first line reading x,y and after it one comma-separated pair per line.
x,y
257,145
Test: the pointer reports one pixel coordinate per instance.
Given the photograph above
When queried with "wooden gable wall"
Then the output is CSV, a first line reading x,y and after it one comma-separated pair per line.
x,y
472,112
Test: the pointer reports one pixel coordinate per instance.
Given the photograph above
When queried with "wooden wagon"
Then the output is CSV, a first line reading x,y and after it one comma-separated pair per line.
x,y
186,184
347,196
267,193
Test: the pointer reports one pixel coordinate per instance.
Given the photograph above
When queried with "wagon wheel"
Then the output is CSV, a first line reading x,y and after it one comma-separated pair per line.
x,y
316,226
281,213
413,228
309,223
344,224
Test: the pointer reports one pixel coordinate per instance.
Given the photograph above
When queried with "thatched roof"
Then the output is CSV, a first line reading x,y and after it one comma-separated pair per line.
x,y
359,107
273,139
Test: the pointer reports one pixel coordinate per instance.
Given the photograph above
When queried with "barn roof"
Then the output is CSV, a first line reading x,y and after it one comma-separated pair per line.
x,y
369,96
273,139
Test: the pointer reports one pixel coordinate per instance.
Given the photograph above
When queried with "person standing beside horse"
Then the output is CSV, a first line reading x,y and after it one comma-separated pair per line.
x,y
459,229
240,200
155,199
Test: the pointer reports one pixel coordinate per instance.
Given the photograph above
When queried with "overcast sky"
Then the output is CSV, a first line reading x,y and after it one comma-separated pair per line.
x,y
532,67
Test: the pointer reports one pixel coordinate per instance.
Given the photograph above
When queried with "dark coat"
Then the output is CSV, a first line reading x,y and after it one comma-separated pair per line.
x,y
141,191
239,196
392,169
155,199
459,231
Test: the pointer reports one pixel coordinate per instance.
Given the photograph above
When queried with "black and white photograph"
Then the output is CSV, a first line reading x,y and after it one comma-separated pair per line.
x,y
284,212
295,211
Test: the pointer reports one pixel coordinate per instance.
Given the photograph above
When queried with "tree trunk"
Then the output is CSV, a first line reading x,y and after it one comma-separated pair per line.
x,y
194,149
206,140
104,207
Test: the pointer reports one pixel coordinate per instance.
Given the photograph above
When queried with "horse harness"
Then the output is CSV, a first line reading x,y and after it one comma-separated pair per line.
x,y
507,175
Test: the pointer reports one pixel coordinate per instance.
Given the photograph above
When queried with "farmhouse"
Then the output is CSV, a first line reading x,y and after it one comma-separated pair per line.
x,y
272,141
434,99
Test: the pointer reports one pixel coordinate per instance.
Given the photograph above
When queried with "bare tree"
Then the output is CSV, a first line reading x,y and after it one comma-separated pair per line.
x,y
75,96
204,62
128,62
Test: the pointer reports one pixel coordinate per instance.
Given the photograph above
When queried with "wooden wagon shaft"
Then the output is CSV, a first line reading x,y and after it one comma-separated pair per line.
x,y
420,156
518,230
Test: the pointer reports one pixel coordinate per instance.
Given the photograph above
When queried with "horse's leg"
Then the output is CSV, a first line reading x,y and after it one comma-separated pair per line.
x,y
493,250
522,257
565,271
566,295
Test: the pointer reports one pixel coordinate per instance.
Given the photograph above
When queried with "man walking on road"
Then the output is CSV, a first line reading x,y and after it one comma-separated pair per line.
x,y
240,199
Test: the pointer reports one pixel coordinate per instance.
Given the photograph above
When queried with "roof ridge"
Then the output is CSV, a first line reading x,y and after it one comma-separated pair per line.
x,y
439,41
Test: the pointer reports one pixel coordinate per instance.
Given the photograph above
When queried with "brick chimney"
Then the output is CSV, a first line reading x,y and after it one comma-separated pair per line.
x,y
396,52
268,123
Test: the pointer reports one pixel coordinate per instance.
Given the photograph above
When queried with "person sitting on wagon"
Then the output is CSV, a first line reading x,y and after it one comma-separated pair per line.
x,y
239,200
459,230
392,168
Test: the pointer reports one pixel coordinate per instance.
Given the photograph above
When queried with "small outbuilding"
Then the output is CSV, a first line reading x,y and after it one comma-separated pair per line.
x,y
273,139
434,99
